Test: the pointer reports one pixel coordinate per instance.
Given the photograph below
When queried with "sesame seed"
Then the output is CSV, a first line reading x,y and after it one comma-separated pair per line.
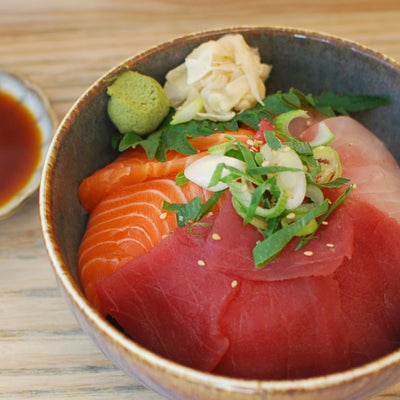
x,y
349,144
265,163
163,215
354,185
234,283
286,149
308,253
202,263
275,153
330,245
216,236
291,215
250,142
325,223
164,236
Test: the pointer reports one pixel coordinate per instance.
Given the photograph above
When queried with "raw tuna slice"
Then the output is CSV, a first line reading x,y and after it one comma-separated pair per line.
x,y
311,326
126,224
233,252
285,330
168,302
369,285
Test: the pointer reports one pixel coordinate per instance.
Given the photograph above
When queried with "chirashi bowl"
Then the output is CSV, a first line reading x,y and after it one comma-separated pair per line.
x,y
309,61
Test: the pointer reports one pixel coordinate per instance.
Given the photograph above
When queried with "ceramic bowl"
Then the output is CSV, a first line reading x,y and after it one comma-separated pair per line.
x,y
306,60
34,99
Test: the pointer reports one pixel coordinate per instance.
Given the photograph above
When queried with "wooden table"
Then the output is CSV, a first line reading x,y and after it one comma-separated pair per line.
x,y
63,46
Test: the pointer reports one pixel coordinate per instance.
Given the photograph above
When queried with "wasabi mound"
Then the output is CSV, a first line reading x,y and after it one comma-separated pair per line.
x,y
137,103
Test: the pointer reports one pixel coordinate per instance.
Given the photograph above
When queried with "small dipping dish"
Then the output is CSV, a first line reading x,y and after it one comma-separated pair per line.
x,y
27,123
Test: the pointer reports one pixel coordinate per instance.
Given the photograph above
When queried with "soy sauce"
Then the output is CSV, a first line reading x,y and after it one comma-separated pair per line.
x,y
20,141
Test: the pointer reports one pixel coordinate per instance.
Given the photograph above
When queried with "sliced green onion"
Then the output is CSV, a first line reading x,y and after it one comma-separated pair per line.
x,y
329,161
310,228
324,136
188,112
181,179
220,148
314,193
282,121
268,249
258,222
245,198
343,196
208,171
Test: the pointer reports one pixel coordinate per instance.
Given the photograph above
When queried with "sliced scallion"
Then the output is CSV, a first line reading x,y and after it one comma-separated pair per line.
x,y
265,251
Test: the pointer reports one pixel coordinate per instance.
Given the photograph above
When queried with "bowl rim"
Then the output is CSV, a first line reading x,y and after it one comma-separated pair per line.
x,y
123,343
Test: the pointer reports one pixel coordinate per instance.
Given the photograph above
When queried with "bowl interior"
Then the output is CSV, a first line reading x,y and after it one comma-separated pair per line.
x,y
308,61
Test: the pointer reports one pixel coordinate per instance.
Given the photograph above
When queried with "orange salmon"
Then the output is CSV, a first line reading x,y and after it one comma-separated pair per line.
x,y
127,223
133,166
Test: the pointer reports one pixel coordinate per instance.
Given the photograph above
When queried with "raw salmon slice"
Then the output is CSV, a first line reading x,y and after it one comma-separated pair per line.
x,y
127,223
133,166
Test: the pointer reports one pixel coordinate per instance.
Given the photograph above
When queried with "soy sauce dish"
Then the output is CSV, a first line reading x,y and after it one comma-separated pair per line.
x,y
309,61
27,124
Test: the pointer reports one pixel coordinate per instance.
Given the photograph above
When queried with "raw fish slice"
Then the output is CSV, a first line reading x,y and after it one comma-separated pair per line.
x,y
366,162
369,285
133,166
169,303
356,145
127,223
235,248
377,186
284,330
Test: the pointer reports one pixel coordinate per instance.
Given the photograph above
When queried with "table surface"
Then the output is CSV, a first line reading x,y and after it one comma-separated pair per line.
x,y
63,46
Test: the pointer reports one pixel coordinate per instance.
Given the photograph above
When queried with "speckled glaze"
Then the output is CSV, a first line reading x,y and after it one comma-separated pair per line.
x,y
32,97
309,61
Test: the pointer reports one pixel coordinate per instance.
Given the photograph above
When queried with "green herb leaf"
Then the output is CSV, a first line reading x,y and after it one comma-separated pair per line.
x,y
277,104
265,251
194,210
271,169
347,103
185,213
175,137
272,140
343,196
333,184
